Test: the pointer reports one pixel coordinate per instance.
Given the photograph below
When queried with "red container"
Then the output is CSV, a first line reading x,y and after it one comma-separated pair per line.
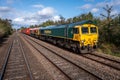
x,y
27,31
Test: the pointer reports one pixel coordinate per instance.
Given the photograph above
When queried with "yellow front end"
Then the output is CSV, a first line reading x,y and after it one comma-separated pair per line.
x,y
88,36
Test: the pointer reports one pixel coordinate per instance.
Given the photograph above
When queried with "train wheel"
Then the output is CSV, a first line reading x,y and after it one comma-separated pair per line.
x,y
73,49
89,49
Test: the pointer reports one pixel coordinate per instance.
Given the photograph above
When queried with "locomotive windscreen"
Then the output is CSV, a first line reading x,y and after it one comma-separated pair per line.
x,y
93,30
84,30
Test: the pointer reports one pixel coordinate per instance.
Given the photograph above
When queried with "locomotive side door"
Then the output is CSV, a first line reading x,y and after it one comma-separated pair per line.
x,y
76,33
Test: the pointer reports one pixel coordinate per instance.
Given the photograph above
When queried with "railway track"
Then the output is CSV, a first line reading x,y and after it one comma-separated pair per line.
x,y
96,68
15,65
68,68
103,60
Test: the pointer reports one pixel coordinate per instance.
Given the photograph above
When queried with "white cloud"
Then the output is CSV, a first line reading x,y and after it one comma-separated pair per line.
x,y
5,9
110,3
6,12
18,19
98,7
114,12
94,10
31,22
47,11
114,3
38,6
86,6
24,21
100,4
34,20
56,18
117,2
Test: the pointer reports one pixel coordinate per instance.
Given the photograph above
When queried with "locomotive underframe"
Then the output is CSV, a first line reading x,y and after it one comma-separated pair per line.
x,y
67,43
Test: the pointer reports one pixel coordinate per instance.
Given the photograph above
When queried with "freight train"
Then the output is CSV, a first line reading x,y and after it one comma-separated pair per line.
x,y
79,36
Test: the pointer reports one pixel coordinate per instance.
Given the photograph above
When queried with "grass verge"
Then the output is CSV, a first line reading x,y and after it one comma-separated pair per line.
x,y
110,49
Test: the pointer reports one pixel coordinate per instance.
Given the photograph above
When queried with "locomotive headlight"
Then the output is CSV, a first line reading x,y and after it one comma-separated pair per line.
x,y
83,41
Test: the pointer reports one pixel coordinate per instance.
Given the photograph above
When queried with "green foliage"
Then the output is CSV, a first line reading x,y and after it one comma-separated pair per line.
x,y
109,28
5,27
47,23
109,32
110,49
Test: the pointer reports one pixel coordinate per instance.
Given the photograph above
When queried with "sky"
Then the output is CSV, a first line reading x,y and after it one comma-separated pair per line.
x,y
34,12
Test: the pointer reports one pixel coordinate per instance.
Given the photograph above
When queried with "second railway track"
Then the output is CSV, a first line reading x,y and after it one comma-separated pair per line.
x,y
103,60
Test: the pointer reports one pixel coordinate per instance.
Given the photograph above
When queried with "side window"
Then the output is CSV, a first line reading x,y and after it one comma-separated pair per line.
x,y
75,30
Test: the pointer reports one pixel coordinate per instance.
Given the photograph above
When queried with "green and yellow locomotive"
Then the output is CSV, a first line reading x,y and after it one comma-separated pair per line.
x,y
78,36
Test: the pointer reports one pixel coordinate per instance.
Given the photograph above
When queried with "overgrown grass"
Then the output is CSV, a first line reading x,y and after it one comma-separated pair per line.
x,y
109,49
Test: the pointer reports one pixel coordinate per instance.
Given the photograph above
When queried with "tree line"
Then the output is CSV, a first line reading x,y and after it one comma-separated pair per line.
x,y
62,20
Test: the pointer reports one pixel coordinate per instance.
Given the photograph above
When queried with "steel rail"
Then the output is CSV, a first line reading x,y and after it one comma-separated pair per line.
x,y
6,61
105,58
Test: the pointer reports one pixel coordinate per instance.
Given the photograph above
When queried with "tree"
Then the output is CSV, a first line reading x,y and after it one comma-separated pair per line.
x,y
69,20
108,20
5,27
89,16
62,20
75,19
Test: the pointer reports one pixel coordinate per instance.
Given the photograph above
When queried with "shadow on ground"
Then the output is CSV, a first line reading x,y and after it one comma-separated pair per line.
x,y
2,40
